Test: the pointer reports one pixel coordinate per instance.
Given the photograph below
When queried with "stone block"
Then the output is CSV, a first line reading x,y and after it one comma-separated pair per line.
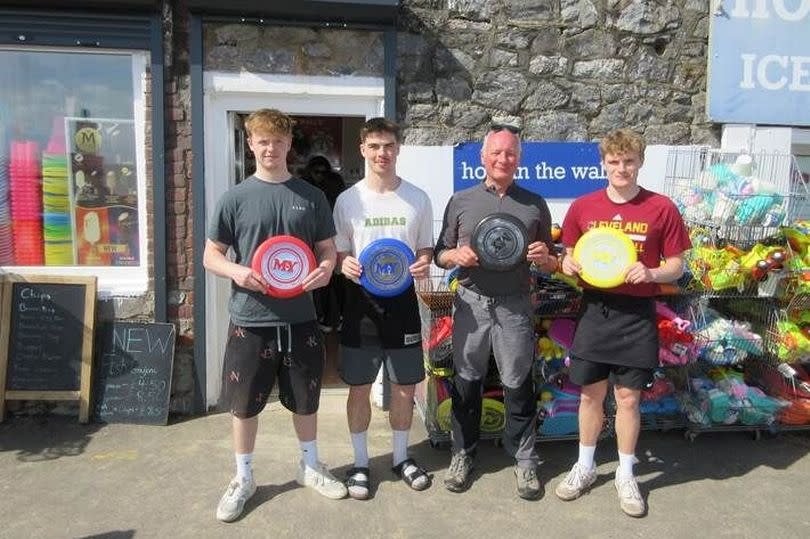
x,y
453,89
672,133
555,126
579,13
590,44
548,65
608,69
503,88
528,11
645,17
546,96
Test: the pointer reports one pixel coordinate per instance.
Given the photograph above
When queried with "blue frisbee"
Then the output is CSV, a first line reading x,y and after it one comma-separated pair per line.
x,y
385,267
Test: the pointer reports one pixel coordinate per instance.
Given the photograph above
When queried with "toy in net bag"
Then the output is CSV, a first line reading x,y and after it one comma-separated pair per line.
x,y
439,346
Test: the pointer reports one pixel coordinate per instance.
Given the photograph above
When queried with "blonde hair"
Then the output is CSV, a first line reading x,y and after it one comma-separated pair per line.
x,y
622,141
269,121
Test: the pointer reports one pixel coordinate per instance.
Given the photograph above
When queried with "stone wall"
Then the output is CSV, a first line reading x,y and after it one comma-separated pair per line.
x,y
561,69
292,50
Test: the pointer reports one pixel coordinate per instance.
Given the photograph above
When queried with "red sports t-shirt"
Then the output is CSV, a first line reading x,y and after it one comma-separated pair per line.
x,y
651,220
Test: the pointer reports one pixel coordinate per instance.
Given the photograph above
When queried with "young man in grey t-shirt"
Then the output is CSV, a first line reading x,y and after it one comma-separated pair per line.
x,y
271,338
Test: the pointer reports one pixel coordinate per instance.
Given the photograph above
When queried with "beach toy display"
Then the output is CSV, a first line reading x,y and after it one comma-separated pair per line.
x,y
57,229
676,342
25,190
731,194
6,242
493,412
283,262
439,347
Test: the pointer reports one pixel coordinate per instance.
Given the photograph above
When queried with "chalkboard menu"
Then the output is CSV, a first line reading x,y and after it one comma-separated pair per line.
x,y
45,347
46,339
133,375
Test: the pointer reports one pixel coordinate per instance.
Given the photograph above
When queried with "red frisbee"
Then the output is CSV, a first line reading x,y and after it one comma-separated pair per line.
x,y
283,262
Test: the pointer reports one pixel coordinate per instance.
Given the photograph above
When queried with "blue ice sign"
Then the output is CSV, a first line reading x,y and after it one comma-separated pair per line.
x,y
550,169
759,62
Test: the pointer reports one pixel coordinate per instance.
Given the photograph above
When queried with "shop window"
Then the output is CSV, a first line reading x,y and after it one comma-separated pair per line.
x,y
73,160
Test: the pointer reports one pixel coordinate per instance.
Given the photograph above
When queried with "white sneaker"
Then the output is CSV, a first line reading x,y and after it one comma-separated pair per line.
x,y
321,480
233,501
630,499
576,483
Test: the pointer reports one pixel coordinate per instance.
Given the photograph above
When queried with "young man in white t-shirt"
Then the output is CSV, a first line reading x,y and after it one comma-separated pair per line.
x,y
379,206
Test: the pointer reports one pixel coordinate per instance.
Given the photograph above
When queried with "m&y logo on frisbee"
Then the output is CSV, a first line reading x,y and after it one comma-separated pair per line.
x,y
283,262
387,269
385,262
285,265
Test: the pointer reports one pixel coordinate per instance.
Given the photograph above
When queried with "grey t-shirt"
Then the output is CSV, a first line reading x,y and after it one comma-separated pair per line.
x,y
250,213
466,209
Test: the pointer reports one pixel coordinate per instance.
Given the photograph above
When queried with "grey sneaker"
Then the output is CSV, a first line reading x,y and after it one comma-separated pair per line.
x,y
233,501
320,479
576,483
630,499
457,478
528,484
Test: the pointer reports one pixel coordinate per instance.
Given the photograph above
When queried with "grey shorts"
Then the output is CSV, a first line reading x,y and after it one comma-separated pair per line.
x,y
359,366
502,324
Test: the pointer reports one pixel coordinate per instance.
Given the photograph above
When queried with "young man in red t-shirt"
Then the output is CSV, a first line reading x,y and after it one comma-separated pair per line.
x,y
617,338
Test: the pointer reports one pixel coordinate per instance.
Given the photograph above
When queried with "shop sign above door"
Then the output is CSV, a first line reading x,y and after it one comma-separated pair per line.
x,y
759,62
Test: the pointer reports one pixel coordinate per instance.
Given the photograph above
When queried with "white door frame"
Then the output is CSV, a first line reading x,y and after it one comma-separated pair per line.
x,y
245,92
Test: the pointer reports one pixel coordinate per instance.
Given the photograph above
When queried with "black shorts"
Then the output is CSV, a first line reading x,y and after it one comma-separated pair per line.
x,y
583,372
393,339
396,318
617,329
256,356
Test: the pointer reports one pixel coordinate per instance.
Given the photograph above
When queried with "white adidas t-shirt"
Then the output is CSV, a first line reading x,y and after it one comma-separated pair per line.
x,y
363,216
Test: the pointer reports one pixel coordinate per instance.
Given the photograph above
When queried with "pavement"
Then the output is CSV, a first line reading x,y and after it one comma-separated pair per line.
x,y
59,479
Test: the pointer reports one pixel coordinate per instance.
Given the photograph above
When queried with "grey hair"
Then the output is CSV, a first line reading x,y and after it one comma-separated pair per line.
x,y
490,132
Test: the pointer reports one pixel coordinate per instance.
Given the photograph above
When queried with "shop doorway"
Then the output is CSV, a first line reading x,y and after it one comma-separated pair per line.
x,y
325,107
332,137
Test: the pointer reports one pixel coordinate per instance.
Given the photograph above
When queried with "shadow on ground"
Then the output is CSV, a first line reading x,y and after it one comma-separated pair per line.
x,y
44,438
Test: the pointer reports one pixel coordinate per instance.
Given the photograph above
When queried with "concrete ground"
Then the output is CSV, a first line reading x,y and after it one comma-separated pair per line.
x,y
59,479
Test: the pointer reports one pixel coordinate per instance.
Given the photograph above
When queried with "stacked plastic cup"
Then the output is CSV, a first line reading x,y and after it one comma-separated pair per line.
x,y
57,230
6,243
26,203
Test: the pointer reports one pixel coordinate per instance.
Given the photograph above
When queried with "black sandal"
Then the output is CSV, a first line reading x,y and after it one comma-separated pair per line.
x,y
412,478
360,485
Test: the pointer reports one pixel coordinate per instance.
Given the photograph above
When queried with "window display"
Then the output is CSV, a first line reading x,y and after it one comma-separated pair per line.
x,y
72,156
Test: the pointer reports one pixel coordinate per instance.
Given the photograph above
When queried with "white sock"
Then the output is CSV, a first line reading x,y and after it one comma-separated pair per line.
x,y
586,453
309,452
360,444
400,446
626,462
244,466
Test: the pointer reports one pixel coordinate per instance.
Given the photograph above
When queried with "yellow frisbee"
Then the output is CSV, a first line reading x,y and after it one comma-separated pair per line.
x,y
604,255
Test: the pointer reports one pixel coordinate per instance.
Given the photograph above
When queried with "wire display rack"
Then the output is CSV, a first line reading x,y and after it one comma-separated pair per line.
x,y
743,198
